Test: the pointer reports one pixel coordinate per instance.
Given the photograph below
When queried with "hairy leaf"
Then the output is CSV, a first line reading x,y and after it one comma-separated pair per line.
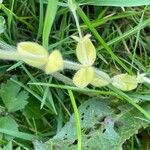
x,y
12,97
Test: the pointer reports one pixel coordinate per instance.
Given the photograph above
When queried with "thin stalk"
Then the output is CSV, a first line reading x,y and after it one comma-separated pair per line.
x,y
72,6
77,23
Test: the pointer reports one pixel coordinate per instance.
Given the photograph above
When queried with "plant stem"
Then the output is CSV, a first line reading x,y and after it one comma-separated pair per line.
x,y
77,23
72,65
14,55
72,6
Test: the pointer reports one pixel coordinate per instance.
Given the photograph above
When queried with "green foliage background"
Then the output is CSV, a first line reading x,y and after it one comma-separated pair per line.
x,y
40,116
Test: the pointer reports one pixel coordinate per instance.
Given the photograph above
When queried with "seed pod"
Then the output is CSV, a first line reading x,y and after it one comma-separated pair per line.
x,y
34,54
124,82
55,62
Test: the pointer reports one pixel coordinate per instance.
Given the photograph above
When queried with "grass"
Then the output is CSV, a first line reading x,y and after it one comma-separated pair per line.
x,y
121,37
77,119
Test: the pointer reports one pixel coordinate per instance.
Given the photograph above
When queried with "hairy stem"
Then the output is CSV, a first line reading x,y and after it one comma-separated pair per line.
x,y
14,55
72,65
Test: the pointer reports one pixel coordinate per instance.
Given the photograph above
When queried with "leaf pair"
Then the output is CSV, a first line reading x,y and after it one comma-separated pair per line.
x,y
37,56
86,54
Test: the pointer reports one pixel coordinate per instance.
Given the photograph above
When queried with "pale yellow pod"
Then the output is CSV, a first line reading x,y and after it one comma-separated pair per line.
x,y
55,62
36,53
101,79
85,51
83,77
124,82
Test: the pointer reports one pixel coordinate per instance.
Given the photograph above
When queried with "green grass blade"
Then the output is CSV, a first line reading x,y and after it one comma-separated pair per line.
x,y
85,90
120,3
10,18
49,19
17,134
41,20
2,24
8,12
77,117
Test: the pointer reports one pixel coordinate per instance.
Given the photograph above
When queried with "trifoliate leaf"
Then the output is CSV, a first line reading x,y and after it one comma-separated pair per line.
x,y
55,62
8,123
12,97
124,82
83,77
100,79
34,54
85,51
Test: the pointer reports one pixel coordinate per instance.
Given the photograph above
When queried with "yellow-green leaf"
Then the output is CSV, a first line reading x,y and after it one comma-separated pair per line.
x,y
125,82
34,54
83,77
101,79
55,62
85,51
